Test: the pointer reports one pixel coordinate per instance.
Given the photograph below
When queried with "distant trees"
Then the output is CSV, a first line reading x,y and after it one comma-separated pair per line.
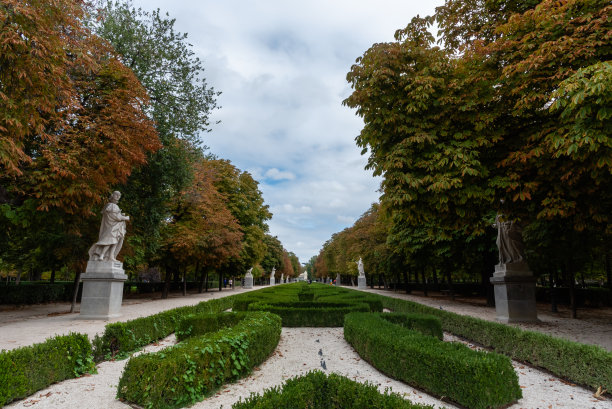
x,y
510,114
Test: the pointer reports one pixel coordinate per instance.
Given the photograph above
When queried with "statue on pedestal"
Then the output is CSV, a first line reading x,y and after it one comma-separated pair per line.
x,y
509,241
273,272
112,232
360,268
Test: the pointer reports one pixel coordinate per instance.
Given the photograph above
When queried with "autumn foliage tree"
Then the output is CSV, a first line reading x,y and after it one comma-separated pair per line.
x,y
72,119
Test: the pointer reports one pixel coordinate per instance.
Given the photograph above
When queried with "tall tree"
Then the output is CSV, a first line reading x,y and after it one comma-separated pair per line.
x,y
181,103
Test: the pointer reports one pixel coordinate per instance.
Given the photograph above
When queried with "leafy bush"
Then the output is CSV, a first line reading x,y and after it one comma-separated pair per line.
x,y
121,338
474,379
315,390
26,370
185,373
200,324
310,313
580,363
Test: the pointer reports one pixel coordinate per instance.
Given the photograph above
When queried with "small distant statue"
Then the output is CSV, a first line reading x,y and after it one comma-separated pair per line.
x,y
509,240
360,268
273,272
112,232
249,272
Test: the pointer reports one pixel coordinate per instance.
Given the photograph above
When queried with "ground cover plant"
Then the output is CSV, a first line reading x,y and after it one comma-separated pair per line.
x,y
583,364
25,370
187,372
474,379
315,390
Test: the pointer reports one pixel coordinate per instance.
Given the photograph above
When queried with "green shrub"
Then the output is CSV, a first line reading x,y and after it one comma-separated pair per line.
x,y
425,324
26,370
474,379
185,373
310,313
580,363
200,324
315,390
121,338
37,292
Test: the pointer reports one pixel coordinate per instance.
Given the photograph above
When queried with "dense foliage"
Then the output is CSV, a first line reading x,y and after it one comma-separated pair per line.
x,y
508,114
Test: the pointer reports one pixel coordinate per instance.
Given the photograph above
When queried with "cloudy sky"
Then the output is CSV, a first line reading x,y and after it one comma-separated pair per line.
x,y
281,66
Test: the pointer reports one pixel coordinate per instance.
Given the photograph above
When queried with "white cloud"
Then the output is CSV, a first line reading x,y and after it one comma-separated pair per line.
x,y
281,67
276,174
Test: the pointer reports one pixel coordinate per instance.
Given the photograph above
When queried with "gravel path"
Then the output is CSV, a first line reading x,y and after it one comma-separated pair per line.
x,y
300,350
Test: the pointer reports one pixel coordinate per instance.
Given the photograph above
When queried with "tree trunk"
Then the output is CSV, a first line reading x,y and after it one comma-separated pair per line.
x,y
572,289
449,278
206,282
200,275
52,280
406,281
220,280
75,292
166,288
553,291
609,267
184,281
424,281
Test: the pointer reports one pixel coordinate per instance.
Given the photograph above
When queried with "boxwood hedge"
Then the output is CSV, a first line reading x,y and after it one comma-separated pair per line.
x,y
315,390
26,370
187,372
583,364
474,379
310,313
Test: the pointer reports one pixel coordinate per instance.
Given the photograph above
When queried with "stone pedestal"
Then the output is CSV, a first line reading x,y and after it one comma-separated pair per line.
x,y
338,279
248,280
514,287
272,281
102,290
361,283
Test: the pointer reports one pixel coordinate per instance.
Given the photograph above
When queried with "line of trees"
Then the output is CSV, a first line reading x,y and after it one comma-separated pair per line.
x,y
105,97
508,112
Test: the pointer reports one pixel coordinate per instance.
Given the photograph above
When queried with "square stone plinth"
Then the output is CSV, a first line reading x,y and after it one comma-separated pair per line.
x,y
515,299
272,281
248,282
102,290
361,282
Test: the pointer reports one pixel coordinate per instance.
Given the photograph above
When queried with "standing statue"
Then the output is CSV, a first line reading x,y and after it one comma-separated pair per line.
x,y
273,272
360,268
112,232
509,241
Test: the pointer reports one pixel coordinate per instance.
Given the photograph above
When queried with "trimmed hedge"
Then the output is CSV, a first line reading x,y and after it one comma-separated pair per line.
x,y
474,379
25,370
200,324
37,292
315,390
425,324
310,313
580,363
121,338
185,373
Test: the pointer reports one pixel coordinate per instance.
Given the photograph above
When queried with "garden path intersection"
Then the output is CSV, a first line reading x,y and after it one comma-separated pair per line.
x,y
300,350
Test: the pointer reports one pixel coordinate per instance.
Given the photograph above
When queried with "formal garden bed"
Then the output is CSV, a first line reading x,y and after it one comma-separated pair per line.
x,y
392,342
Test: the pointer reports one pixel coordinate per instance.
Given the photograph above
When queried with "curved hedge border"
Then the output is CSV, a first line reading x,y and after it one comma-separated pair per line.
x,y
477,380
580,363
310,313
122,338
26,370
315,390
187,372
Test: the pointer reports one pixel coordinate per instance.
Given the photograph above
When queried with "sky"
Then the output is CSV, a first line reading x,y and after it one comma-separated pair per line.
x,y
281,66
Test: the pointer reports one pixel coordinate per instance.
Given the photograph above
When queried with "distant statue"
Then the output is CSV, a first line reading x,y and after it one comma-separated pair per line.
x,y
509,241
249,272
273,272
112,232
360,268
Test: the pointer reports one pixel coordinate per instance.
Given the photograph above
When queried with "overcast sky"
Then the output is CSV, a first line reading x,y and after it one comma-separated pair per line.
x,y
281,67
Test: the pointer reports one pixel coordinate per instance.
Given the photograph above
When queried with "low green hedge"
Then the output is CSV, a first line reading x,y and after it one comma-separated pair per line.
x,y
26,370
37,292
310,313
121,338
185,373
200,324
315,390
425,324
580,363
477,380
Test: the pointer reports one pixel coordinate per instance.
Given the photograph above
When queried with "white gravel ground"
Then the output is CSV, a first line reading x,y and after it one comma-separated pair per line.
x,y
300,350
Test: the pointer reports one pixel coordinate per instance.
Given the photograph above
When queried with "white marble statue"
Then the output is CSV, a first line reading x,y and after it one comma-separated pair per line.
x,y
360,268
509,241
112,232
249,272
273,272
